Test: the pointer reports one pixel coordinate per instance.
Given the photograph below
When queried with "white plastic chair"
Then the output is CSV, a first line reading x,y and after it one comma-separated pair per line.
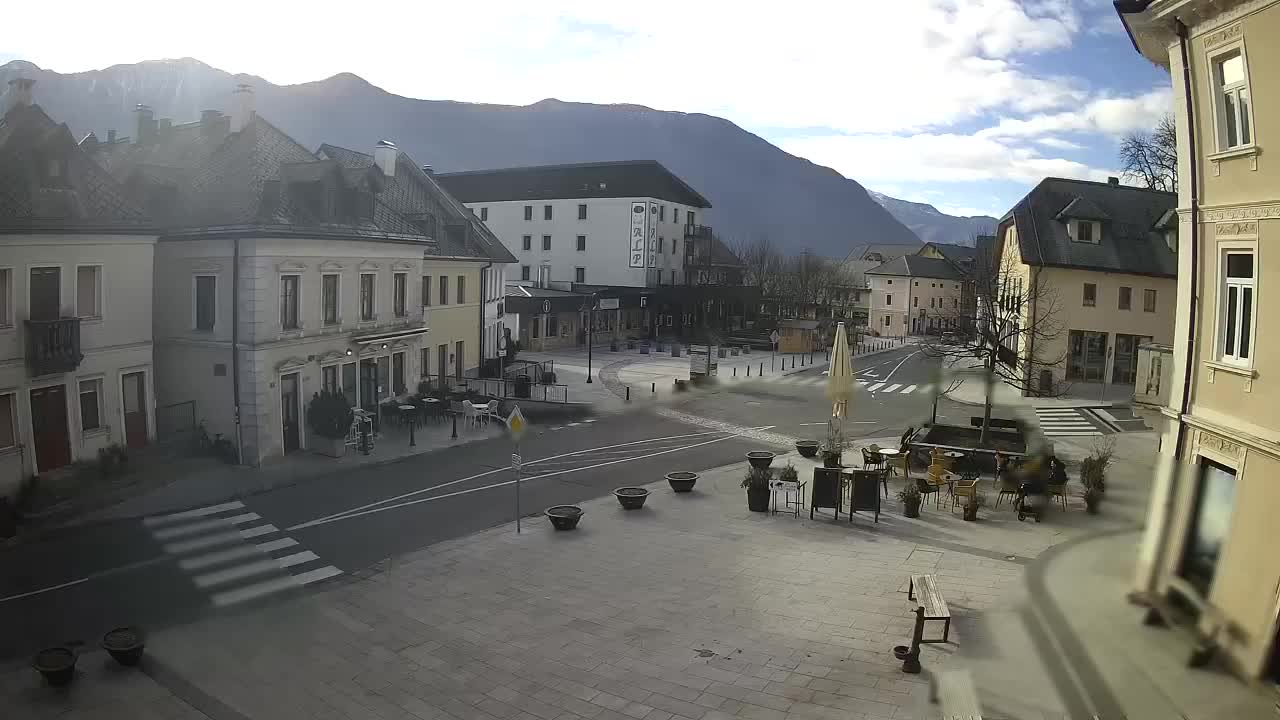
x,y
471,413
491,411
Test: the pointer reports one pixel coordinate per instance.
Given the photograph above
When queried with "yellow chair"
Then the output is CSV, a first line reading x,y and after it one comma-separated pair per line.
x,y
935,478
963,490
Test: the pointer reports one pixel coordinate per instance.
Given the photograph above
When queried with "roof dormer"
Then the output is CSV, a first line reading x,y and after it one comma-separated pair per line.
x,y
1084,220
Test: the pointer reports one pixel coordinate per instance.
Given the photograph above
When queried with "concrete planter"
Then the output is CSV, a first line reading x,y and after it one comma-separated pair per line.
x,y
330,447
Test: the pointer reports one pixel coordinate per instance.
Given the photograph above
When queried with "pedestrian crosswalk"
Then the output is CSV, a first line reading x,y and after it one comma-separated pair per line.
x,y
870,385
1066,422
233,554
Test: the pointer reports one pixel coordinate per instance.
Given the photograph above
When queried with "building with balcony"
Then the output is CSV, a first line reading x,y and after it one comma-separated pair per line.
x,y
281,272
1208,537
75,300
1094,265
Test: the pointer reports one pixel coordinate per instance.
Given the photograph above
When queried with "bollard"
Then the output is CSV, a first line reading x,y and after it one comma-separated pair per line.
x,y
628,393
748,371
735,371
653,387
364,438
412,425
761,373
455,426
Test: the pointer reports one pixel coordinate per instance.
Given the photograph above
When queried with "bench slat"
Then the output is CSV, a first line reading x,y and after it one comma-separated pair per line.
x,y
929,597
957,696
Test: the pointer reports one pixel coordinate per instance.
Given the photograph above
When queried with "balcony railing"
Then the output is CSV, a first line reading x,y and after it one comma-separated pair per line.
x,y
53,346
697,232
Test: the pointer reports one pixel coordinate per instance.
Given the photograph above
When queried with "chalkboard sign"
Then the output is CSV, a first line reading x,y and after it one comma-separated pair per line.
x,y
865,494
826,490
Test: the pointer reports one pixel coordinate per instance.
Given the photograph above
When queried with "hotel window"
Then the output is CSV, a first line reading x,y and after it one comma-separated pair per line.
x,y
289,302
484,214
399,291
524,272
1235,319
462,289
329,298
528,212
526,242
662,213
90,404
579,275
661,242
8,427
366,296
546,243
1084,232
1126,298
1090,294
888,299
206,287
1231,86
546,212
582,212
582,243
329,378
397,373
1149,301
426,291
88,291
1215,499
444,289
6,297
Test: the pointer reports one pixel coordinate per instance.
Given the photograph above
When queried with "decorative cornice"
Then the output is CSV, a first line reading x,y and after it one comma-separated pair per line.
x,y
369,265
1248,212
291,266
1223,36
202,266
330,357
403,266
1227,17
330,266
291,363
1236,229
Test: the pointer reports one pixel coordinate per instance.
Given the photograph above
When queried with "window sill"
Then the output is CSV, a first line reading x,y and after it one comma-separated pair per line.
x,y
95,432
90,319
1232,369
1247,151
11,450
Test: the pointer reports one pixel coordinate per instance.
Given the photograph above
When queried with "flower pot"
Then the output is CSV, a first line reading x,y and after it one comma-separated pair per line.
x,y
1092,505
760,458
57,665
125,645
807,448
682,481
331,447
564,517
613,347
830,459
910,659
911,509
971,512
631,498
758,499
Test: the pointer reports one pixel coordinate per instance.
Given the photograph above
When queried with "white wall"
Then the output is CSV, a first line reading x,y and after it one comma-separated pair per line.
x,y
607,229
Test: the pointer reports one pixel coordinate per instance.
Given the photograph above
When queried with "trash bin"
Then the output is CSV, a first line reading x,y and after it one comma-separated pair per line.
x,y
523,385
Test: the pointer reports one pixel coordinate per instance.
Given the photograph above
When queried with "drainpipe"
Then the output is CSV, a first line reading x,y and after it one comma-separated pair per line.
x,y
235,343
484,300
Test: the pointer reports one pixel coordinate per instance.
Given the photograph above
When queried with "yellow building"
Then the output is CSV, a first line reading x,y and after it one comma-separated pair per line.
x,y
1210,529
1098,268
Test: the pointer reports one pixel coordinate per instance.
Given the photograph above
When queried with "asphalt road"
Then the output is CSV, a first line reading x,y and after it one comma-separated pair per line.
x,y
150,573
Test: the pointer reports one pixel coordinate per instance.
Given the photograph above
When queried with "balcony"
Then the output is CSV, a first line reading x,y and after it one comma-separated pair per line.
x,y
1153,381
697,232
53,346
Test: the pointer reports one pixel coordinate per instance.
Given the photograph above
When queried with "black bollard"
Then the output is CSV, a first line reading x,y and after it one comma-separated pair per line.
x,y
735,371
364,438
455,426
412,425
628,393
653,387
748,371
761,373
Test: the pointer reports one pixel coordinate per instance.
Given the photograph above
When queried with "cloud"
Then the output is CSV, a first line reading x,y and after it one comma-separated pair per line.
x,y
1107,114
1059,143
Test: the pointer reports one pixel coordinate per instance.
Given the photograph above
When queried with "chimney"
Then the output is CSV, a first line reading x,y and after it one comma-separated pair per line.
x,y
384,156
20,92
428,170
212,123
145,125
242,112
1113,181
111,135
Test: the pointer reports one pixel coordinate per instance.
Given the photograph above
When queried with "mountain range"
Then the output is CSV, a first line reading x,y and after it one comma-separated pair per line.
x,y
756,189
933,225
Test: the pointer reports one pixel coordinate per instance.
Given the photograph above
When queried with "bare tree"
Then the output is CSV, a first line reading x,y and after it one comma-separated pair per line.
x,y
1152,158
1016,323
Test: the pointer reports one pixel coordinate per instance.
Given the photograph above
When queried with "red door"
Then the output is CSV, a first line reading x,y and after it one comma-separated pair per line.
x,y
49,427
134,388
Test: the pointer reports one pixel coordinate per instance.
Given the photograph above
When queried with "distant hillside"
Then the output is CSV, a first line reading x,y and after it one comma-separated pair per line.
x,y
756,188
932,225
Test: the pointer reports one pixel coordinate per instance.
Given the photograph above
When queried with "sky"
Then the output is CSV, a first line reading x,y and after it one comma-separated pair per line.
x,y
964,104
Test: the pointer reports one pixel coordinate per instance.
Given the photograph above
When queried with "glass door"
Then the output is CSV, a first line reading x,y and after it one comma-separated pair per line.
x,y
1087,357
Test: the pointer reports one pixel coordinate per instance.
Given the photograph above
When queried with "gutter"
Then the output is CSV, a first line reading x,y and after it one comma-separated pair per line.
x,y
235,344
1129,7
484,300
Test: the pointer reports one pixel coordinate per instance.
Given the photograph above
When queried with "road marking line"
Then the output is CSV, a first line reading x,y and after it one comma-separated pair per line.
x,y
239,572
893,388
218,558
889,377
192,514
274,545
1072,434
876,387
267,587
907,389
289,561
208,541
170,533
862,383
258,531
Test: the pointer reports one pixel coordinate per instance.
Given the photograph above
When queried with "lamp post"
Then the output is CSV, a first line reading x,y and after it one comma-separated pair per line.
x,y
591,325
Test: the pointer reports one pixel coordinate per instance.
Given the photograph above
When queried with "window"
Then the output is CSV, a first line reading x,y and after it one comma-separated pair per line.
x,y
444,289
6,297
524,272
688,217
931,303
399,289
674,242
546,243
349,382
424,364
1126,298
1215,498
89,291
888,299
662,213
661,241
329,299
955,303
915,302
546,212
90,405
8,428
1149,301
289,302
383,365
673,277
1235,322
891,282
426,291
458,359
397,373
675,215
528,212
582,211
1233,112
366,296
462,289
582,243
1084,232
484,214
579,274
206,291
1090,294
329,378
527,242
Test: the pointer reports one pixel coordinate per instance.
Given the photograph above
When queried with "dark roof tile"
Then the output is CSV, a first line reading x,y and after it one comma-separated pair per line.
x,y
917,266
619,179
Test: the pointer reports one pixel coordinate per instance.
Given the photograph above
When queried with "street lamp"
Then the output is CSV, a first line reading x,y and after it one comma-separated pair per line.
x,y
591,325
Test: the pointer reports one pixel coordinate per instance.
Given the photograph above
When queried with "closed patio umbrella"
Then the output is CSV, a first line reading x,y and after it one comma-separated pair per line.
x,y
840,384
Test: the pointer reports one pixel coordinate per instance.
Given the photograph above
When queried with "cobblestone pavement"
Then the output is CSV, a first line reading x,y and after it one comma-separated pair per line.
x,y
692,608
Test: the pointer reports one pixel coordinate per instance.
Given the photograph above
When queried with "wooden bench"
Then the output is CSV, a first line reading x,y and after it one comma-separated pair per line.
x,y
955,693
931,601
1201,627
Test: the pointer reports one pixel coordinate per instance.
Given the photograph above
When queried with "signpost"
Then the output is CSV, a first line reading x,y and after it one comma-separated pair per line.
x,y
773,338
517,425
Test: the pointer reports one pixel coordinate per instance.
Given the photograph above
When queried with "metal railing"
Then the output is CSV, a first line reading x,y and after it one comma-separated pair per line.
x,y
53,346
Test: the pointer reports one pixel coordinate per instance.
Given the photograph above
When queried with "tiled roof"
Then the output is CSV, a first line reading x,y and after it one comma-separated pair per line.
x,y
888,251
84,196
620,179
958,254
916,266
1130,241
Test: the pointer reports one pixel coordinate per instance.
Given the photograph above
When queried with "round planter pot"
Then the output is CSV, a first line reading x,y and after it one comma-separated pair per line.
x,y
631,498
125,645
1091,507
760,458
830,460
911,510
758,499
807,448
910,660
682,481
970,513
57,665
564,517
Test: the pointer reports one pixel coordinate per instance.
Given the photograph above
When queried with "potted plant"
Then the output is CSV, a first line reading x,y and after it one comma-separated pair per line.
x,y
56,664
910,497
564,517
631,498
757,484
1092,498
125,645
760,458
682,481
807,448
329,416
833,448
972,505
789,474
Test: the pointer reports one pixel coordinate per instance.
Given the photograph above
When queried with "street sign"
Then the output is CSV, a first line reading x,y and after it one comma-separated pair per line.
x,y
515,461
608,304
516,423
773,337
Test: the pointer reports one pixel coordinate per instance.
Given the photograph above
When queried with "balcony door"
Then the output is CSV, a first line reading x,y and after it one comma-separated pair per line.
x,y
49,427
290,411
46,293
133,387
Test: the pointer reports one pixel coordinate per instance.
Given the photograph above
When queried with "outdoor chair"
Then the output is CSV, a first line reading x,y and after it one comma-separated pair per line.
x,y
934,477
1007,487
471,413
936,457
1058,491
871,460
456,409
491,411
963,490
898,461
926,489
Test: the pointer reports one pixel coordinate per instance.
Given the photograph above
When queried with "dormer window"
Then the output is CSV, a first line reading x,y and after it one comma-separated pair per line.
x,y
55,172
1085,231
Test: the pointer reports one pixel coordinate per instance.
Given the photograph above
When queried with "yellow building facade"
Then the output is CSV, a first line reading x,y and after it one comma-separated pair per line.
x,y
1209,526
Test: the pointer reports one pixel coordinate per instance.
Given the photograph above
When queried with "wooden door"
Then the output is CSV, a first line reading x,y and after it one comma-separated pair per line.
x,y
134,389
49,427
289,411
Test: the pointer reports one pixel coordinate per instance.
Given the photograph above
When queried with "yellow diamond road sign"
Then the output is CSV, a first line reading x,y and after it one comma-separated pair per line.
x,y
516,423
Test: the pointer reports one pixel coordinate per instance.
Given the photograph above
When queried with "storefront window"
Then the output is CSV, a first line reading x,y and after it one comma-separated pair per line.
x,y
1215,496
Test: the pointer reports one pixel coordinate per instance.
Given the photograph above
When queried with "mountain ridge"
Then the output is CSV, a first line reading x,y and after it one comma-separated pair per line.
x,y
932,225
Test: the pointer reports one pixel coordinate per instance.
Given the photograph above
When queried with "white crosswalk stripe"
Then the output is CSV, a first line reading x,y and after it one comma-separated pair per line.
x,y
893,388
235,554
870,384
1065,422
